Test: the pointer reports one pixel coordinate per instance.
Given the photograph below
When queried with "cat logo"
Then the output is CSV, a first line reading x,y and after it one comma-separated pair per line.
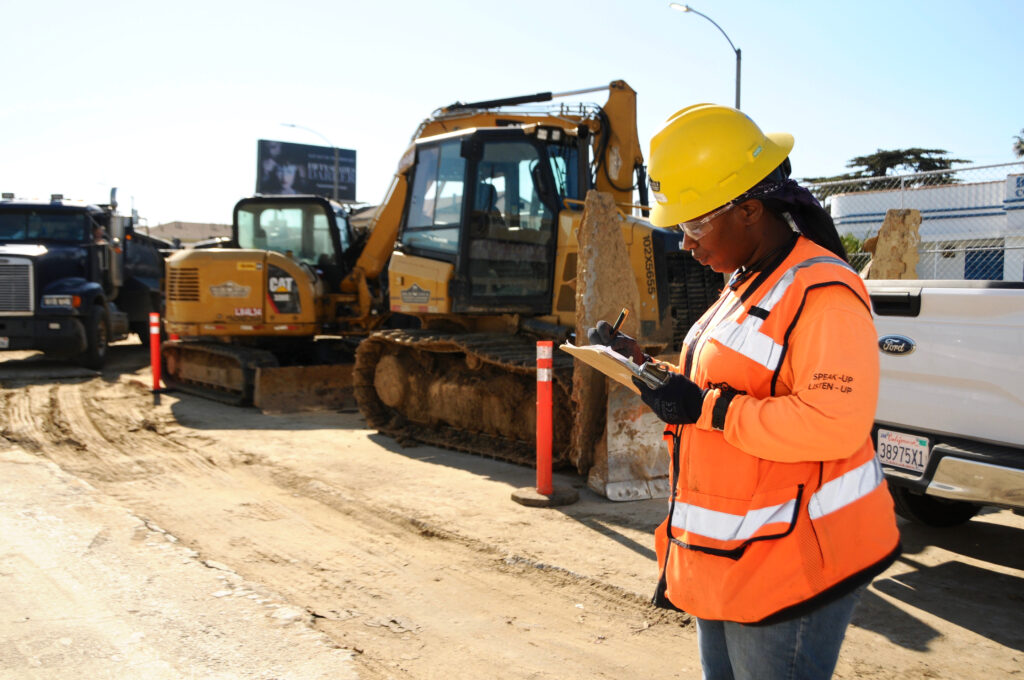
x,y
281,284
283,292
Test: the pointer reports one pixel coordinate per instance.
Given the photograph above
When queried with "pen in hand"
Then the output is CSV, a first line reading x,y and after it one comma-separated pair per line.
x,y
618,322
629,347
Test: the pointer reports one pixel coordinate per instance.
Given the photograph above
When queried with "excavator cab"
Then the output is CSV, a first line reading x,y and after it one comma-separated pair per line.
x,y
486,201
308,229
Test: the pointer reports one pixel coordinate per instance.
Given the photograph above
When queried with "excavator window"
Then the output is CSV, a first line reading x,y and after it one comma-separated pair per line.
x,y
511,229
435,202
321,236
300,229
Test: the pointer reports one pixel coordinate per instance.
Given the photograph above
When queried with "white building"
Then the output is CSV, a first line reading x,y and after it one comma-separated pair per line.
x,y
969,230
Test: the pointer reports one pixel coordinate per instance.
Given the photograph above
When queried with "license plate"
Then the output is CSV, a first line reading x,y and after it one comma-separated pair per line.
x,y
907,451
5,342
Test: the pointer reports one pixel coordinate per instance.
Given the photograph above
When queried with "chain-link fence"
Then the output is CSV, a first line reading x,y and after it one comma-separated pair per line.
x,y
972,219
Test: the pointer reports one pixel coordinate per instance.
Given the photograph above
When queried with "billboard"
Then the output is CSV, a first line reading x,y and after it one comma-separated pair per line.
x,y
286,168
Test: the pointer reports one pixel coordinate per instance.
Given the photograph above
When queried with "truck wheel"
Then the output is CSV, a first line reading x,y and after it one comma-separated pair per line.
x,y
97,336
929,510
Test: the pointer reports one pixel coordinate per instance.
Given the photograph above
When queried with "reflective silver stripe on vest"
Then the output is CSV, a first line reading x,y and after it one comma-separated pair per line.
x,y
848,488
746,337
724,526
845,489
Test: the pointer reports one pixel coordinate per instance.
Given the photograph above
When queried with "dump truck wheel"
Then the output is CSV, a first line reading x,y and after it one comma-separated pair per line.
x,y
97,337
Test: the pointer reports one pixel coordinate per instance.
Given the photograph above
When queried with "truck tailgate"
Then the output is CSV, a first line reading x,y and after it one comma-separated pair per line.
x,y
960,371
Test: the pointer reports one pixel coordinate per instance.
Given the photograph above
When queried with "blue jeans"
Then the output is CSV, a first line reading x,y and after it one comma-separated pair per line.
x,y
805,648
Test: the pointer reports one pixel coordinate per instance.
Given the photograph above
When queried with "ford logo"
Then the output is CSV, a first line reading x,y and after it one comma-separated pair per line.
x,y
897,345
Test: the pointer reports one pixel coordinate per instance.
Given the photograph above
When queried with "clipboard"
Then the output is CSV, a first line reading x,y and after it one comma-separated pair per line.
x,y
617,367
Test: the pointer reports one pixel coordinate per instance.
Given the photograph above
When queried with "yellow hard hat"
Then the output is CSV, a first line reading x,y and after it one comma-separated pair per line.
x,y
705,156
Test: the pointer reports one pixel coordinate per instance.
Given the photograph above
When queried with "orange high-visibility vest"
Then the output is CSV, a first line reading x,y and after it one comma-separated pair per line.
x,y
778,502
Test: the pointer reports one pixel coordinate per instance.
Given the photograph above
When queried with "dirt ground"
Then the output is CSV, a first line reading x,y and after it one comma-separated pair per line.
x,y
391,562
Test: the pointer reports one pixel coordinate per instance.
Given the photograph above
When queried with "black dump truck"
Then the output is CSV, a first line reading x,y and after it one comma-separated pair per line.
x,y
75,277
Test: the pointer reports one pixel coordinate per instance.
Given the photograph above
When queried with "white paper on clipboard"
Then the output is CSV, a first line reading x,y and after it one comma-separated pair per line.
x,y
617,367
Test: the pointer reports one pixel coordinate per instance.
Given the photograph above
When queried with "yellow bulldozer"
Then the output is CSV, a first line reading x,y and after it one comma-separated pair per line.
x,y
514,224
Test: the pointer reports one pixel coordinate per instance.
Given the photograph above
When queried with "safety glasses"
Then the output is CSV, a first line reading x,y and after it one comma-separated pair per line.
x,y
702,226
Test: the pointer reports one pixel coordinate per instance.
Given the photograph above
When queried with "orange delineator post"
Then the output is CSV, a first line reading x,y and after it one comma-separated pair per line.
x,y
154,353
545,352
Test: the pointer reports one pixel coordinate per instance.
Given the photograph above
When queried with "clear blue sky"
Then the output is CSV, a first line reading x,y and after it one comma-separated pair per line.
x,y
166,100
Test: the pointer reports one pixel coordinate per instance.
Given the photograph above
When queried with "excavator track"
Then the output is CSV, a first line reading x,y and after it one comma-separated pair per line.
x,y
215,371
473,392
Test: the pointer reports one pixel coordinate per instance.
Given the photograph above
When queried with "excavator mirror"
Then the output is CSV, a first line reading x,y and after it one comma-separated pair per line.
x,y
545,191
539,181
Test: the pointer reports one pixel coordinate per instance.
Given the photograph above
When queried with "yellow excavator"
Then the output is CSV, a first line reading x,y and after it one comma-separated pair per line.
x,y
513,223
272,315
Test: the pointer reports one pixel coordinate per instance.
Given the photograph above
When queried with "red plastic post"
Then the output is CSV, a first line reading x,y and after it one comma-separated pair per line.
x,y
154,353
545,352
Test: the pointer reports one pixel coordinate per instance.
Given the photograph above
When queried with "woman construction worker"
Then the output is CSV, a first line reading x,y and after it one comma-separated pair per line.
x,y
779,515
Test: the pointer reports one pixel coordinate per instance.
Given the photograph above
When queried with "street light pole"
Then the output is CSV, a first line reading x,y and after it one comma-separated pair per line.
x,y
302,127
687,8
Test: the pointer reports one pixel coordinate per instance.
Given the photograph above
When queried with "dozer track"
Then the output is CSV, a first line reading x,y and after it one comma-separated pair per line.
x,y
216,371
473,392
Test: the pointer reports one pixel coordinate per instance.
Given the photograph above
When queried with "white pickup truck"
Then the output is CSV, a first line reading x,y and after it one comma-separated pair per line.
x,y
949,430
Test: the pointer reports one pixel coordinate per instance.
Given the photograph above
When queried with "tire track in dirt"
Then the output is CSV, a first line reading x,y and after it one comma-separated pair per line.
x,y
29,417
88,435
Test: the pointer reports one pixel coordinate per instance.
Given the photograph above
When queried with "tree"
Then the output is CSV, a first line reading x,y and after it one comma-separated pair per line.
x,y
881,162
875,171
886,162
1018,144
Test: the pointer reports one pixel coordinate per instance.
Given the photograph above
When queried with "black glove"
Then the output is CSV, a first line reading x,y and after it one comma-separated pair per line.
x,y
677,402
621,343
